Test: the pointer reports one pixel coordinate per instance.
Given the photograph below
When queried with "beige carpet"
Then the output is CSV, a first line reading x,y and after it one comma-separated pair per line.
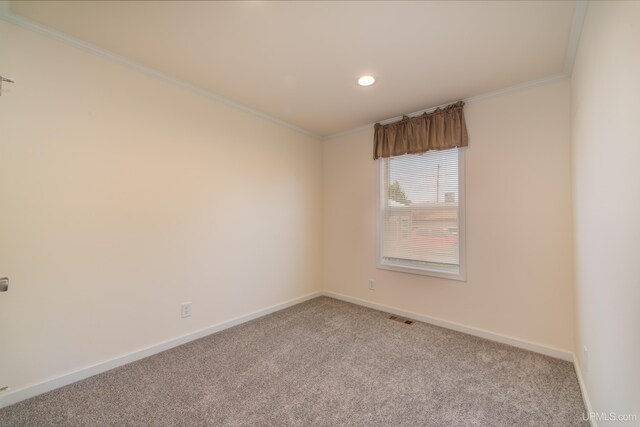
x,y
326,363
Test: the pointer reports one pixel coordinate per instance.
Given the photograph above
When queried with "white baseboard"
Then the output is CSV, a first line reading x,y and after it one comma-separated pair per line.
x,y
11,397
14,396
516,342
583,389
504,339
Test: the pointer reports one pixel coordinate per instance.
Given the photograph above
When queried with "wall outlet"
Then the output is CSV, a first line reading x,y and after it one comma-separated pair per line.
x,y
185,310
372,285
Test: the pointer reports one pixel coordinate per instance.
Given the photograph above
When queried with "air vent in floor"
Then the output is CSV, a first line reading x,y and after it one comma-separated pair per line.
x,y
401,319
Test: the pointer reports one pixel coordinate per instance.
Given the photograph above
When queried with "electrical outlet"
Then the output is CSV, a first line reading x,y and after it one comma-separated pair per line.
x,y
185,309
372,285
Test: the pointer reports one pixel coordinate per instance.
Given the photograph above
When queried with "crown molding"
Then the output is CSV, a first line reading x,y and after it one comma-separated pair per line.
x,y
511,89
579,14
577,23
7,15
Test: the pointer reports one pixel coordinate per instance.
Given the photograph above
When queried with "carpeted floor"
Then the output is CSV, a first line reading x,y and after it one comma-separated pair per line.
x,y
326,363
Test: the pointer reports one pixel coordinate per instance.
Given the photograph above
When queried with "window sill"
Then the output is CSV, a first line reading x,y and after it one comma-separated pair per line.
x,y
461,277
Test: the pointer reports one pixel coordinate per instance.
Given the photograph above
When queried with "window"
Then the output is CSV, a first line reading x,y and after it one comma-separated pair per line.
x,y
421,223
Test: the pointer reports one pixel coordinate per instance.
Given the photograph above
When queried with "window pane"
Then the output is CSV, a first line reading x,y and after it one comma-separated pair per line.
x,y
420,210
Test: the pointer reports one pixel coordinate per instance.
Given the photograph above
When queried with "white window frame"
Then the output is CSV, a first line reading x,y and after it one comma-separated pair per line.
x,y
462,239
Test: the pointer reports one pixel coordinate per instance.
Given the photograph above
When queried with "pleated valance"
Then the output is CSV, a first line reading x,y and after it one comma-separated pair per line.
x,y
441,129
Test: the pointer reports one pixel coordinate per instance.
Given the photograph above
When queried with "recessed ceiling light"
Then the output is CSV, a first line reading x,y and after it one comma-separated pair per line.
x,y
366,80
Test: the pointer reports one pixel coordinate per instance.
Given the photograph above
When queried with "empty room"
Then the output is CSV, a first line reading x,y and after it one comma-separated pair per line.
x,y
319,213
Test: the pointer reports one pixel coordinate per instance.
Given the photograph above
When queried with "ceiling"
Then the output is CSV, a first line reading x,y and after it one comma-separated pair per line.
x,y
298,61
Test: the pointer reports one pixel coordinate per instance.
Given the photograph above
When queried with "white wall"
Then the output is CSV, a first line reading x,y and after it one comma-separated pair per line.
x,y
518,223
606,189
122,196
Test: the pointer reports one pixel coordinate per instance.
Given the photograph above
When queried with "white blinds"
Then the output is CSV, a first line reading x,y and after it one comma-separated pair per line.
x,y
420,211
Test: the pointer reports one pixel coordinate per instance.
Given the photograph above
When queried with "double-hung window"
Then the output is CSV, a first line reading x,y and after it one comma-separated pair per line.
x,y
421,224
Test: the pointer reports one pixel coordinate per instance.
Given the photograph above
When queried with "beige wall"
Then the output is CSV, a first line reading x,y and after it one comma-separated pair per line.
x,y
122,196
606,188
518,223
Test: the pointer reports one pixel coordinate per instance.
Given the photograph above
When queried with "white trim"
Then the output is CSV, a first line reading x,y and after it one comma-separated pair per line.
x,y
579,14
493,94
348,132
583,389
517,88
441,273
462,212
572,47
462,230
577,23
11,397
482,333
7,15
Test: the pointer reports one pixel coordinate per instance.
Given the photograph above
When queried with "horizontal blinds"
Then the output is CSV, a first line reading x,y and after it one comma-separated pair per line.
x,y
420,210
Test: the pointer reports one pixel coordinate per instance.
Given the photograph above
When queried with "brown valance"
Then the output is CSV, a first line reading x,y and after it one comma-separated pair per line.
x,y
441,129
